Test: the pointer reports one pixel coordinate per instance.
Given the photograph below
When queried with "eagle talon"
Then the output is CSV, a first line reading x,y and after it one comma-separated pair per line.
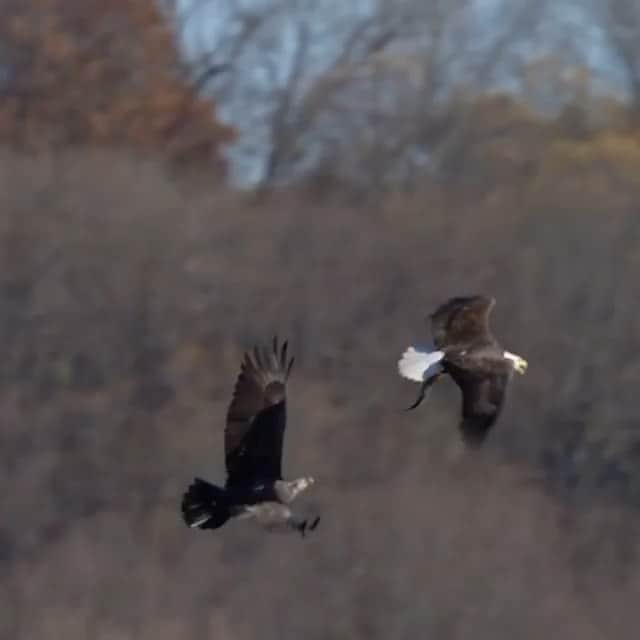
x,y
304,527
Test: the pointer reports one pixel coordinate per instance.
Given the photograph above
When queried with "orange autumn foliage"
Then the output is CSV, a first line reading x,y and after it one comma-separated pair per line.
x,y
103,74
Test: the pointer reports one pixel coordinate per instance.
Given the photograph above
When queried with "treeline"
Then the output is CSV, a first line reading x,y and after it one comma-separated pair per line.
x,y
128,293
125,304
77,73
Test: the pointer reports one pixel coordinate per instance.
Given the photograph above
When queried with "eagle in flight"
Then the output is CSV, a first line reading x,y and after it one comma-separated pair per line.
x,y
464,348
253,440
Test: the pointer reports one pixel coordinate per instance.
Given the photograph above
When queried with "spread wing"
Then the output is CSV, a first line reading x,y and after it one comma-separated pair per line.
x,y
482,402
257,417
462,321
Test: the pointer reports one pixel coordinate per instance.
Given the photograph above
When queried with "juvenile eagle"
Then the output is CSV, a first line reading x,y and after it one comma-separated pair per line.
x,y
253,439
464,348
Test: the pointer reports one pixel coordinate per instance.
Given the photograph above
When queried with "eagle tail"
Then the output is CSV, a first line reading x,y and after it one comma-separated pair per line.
x,y
205,506
420,364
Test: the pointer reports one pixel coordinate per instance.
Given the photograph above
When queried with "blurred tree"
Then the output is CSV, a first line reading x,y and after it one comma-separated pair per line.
x,y
619,22
92,72
550,82
366,94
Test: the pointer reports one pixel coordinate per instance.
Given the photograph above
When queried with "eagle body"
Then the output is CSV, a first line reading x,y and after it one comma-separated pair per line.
x,y
253,439
465,349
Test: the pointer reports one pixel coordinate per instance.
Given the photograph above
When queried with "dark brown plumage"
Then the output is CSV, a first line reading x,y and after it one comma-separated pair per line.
x,y
257,417
253,442
467,351
462,321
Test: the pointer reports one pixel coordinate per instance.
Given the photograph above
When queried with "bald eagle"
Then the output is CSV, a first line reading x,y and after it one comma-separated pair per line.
x,y
464,348
253,440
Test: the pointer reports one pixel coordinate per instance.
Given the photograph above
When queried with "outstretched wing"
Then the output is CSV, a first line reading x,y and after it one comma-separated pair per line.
x,y
257,417
462,321
482,402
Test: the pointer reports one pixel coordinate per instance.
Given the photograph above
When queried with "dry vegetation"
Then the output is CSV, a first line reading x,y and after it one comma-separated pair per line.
x,y
108,74
126,299
128,293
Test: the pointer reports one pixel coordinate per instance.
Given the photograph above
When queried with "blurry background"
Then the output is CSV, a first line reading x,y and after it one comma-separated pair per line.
x,y
181,180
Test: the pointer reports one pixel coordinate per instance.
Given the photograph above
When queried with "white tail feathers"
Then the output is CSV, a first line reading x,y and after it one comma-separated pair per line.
x,y
200,520
418,365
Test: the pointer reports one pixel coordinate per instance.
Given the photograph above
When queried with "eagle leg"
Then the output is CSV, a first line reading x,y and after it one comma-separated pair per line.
x,y
303,527
299,525
424,389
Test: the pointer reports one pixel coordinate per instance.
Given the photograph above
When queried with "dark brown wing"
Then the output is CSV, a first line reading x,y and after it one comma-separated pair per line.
x,y
482,402
462,321
257,417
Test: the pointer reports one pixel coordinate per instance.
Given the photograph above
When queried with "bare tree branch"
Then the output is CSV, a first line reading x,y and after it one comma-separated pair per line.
x,y
379,81
619,22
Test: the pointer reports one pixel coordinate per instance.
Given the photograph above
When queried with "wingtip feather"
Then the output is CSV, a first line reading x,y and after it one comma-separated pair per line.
x,y
290,365
259,357
265,358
